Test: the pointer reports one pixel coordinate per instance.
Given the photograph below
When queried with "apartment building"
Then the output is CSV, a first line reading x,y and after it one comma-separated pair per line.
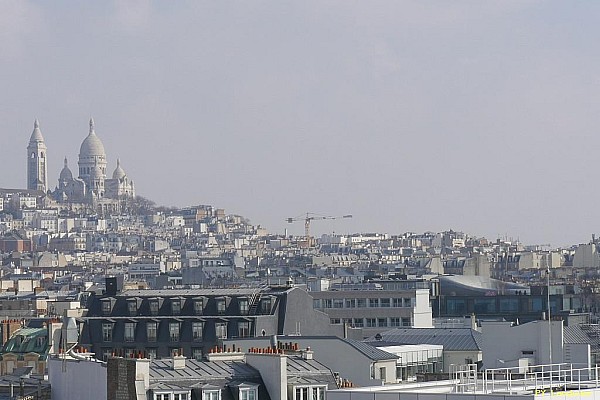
x,y
375,310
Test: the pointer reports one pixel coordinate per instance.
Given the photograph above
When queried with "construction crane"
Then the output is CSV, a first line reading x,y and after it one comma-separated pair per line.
x,y
308,217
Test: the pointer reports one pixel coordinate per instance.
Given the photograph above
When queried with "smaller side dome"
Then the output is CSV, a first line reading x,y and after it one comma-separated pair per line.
x,y
66,174
119,173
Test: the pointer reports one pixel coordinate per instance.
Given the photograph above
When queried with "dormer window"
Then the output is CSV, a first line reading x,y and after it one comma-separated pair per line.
x,y
243,304
183,395
248,393
221,306
211,395
106,306
309,393
132,307
176,306
198,306
265,306
154,307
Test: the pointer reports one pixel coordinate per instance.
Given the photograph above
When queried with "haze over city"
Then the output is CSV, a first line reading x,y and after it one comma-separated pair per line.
x,y
412,116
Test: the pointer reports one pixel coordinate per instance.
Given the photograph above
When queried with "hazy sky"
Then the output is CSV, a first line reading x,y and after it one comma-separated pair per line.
x,y
480,116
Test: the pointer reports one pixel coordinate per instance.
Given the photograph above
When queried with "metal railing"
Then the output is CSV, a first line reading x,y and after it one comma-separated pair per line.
x,y
546,378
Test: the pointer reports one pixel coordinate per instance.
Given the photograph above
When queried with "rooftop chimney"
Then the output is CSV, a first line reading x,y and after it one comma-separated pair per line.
x,y
307,354
178,362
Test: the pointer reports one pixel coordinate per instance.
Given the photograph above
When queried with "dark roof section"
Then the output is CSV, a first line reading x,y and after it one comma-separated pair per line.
x,y
204,371
371,352
302,371
574,334
454,339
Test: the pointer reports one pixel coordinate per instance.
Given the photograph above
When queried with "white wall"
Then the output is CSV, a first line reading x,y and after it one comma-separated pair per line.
x,y
459,357
82,379
422,314
501,341
273,370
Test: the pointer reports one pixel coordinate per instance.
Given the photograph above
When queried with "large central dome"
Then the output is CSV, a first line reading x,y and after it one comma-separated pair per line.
x,y
92,146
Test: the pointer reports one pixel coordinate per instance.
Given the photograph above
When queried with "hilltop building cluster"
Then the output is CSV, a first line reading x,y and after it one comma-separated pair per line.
x,y
90,187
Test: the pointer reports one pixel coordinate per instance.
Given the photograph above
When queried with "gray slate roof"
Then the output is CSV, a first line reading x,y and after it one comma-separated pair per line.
x,y
205,371
574,334
371,352
454,339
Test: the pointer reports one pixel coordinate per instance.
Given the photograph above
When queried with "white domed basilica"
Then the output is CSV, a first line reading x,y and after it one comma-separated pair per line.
x,y
91,187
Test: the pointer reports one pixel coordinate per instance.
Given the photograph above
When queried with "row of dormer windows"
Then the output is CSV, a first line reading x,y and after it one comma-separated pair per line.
x,y
133,333
175,306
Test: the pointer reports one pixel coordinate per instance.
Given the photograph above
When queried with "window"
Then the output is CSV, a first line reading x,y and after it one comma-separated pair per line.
x,y
107,332
395,322
198,307
151,353
244,329
316,304
243,306
211,395
197,354
358,322
106,307
334,321
151,330
221,306
180,396
350,303
197,329
361,303
106,353
129,335
407,302
309,393
318,393
174,331
509,305
384,303
382,374
536,304
484,305
396,302
132,307
221,330
301,393
373,303
382,322
338,303
371,322
456,306
176,307
162,396
327,303
154,307
248,394
265,306
405,321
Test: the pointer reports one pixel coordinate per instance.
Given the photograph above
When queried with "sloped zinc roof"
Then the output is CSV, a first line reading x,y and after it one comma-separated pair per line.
x,y
461,339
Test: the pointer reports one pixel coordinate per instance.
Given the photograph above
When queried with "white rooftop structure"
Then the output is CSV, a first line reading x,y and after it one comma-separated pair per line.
x,y
556,381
